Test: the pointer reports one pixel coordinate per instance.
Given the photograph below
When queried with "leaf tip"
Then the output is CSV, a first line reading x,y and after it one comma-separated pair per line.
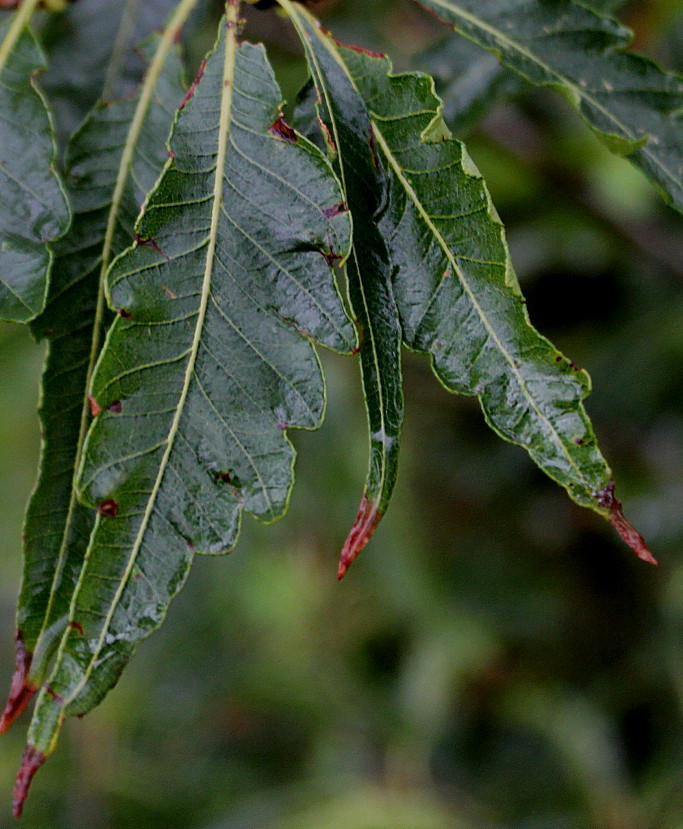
x,y
31,761
21,691
364,526
607,499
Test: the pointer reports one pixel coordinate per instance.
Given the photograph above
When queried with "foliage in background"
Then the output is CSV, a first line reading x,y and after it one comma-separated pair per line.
x,y
531,187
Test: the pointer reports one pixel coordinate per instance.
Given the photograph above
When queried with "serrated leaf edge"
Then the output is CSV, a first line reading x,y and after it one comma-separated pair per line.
x,y
572,91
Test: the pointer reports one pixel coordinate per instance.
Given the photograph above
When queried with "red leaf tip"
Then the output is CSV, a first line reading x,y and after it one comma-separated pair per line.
x,y
364,526
607,499
21,691
31,761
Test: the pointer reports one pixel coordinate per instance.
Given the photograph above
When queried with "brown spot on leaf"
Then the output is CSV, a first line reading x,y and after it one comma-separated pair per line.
x,y
171,293
281,129
607,499
55,696
21,690
335,210
145,242
31,761
366,522
108,508
327,135
331,257
116,407
95,407
360,328
359,49
125,314
193,86
77,626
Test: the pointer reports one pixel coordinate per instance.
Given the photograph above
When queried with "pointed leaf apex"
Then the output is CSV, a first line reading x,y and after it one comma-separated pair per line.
x,y
21,691
31,761
608,500
364,526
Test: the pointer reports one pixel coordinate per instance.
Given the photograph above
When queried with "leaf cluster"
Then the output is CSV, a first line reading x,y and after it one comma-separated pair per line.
x,y
187,257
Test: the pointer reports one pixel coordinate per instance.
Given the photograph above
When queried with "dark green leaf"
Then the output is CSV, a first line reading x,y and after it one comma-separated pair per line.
x,y
84,65
468,80
456,291
634,107
206,367
114,160
33,208
347,126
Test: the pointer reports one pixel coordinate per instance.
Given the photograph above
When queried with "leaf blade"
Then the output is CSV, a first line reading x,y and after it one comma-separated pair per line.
x,y
113,160
180,483
369,270
458,296
627,100
34,210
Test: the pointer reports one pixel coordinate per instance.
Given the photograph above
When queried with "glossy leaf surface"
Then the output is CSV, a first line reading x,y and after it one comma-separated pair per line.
x,y
456,290
634,107
111,167
33,208
206,366
346,124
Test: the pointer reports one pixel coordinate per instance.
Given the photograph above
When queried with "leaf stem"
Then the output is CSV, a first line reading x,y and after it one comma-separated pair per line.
x,y
21,20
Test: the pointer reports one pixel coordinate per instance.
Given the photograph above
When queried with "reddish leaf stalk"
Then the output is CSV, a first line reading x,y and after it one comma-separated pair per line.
x,y
31,761
21,691
364,526
606,498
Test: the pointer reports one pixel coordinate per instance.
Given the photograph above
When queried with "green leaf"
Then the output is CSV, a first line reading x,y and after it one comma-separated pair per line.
x,y
456,291
348,128
80,58
633,107
114,160
84,66
468,80
207,365
33,209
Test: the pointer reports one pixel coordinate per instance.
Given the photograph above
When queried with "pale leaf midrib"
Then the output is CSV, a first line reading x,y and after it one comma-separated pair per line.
x,y
223,133
21,20
149,84
412,195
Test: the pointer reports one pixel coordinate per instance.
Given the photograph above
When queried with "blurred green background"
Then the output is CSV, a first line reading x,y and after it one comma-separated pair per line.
x,y
496,658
